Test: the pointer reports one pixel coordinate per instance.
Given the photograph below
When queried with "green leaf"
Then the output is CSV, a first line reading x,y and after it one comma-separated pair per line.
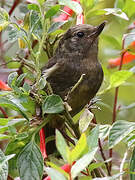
x,y
12,79
132,165
30,162
116,12
85,120
75,6
92,139
14,34
33,7
42,83
52,11
52,104
4,14
20,79
3,136
119,77
15,146
119,4
4,121
55,26
54,174
58,169
129,7
35,24
61,145
97,165
41,2
104,131
93,13
119,130
80,148
3,166
112,41
82,163
8,103
12,122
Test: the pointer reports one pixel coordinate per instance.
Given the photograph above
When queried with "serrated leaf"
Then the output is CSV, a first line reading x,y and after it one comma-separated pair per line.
x,y
52,11
52,104
116,12
82,163
119,77
61,145
85,120
55,26
30,162
75,6
92,139
3,166
119,130
54,174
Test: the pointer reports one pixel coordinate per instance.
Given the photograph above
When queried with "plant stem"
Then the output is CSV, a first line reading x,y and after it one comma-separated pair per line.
x,y
37,60
104,158
3,112
116,99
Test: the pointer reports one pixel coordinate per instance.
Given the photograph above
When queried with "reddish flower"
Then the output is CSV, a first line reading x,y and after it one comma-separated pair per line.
x,y
80,19
4,86
66,168
128,57
65,16
42,143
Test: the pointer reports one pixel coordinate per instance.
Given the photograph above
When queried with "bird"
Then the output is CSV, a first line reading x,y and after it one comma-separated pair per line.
x,y
74,72
75,58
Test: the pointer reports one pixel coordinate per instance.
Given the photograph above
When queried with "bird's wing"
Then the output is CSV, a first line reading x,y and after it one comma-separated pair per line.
x,y
51,67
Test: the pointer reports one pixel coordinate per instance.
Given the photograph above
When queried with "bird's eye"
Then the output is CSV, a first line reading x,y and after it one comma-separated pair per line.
x,y
80,34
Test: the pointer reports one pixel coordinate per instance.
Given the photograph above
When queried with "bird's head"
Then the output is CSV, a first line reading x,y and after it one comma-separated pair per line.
x,y
80,39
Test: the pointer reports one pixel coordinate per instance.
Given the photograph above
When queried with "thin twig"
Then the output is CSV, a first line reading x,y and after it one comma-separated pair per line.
x,y
104,158
3,112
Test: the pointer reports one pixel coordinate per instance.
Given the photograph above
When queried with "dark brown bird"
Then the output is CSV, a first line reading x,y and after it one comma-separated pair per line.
x,y
76,55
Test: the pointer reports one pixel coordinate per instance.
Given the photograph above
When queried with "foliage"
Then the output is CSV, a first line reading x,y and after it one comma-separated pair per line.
x,y
29,35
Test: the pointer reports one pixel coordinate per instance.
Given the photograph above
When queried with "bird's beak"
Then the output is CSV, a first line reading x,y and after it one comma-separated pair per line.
x,y
100,28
